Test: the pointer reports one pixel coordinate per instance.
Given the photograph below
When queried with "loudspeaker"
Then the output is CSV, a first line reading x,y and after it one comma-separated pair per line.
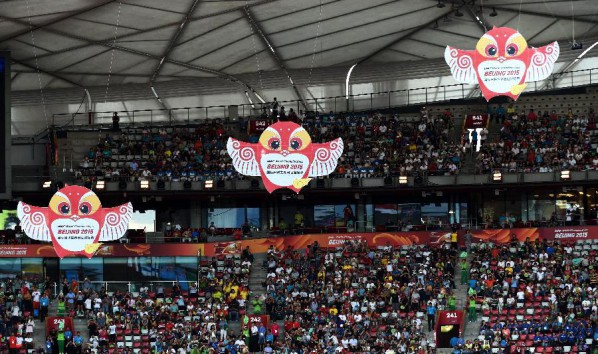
x,y
233,113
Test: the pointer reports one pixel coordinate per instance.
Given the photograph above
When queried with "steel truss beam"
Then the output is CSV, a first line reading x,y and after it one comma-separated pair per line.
x,y
173,40
273,52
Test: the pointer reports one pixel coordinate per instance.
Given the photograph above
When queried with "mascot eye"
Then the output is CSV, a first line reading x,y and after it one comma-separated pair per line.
x,y
274,143
85,208
64,208
295,144
491,50
512,49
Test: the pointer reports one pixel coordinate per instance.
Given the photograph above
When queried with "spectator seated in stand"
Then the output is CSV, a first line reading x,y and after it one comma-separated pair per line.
x,y
541,142
536,295
375,144
180,318
355,298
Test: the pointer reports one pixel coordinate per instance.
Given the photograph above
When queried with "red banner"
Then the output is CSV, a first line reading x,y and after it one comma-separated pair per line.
x,y
473,121
108,250
224,248
565,233
569,233
54,323
450,317
261,245
448,324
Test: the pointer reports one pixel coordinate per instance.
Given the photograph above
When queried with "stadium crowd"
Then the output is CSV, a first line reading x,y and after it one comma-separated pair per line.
x,y
381,145
163,319
539,142
534,296
21,299
376,145
357,299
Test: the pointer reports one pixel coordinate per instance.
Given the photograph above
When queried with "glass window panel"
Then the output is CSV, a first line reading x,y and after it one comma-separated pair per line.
x,y
226,217
569,206
369,212
93,268
188,266
10,267
33,269
435,214
324,215
339,213
115,269
592,194
541,207
332,215
143,221
70,268
386,214
253,216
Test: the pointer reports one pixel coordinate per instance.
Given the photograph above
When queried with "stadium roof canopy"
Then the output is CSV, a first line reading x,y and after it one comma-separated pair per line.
x,y
265,44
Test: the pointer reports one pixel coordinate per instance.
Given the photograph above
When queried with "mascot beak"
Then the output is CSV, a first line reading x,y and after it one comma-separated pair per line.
x,y
75,217
284,152
501,59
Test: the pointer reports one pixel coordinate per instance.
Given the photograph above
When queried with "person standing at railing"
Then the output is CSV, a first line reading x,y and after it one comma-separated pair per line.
x,y
275,109
115,122
44,302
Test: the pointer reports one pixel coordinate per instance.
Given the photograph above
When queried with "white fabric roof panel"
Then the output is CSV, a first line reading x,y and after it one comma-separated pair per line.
x,y
216,40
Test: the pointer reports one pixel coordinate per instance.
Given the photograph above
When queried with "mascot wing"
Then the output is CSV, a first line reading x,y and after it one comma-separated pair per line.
x,y
243,156
542,62
326,157
33,221
461,64
116,222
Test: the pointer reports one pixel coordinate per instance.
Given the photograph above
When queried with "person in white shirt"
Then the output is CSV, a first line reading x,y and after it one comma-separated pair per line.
x,y
35,296
112,332
15,311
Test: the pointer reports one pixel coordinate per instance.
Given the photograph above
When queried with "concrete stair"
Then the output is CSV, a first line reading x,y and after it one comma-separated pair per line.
x,y
77,143
257,277
472,329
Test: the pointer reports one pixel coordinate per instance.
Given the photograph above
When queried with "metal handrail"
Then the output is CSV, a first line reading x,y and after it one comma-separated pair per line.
x,y
131,285
343,100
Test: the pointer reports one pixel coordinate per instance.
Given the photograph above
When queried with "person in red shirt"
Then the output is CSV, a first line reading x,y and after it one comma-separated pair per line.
x,y
169,326
275,328
532,116
12,344
237,234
